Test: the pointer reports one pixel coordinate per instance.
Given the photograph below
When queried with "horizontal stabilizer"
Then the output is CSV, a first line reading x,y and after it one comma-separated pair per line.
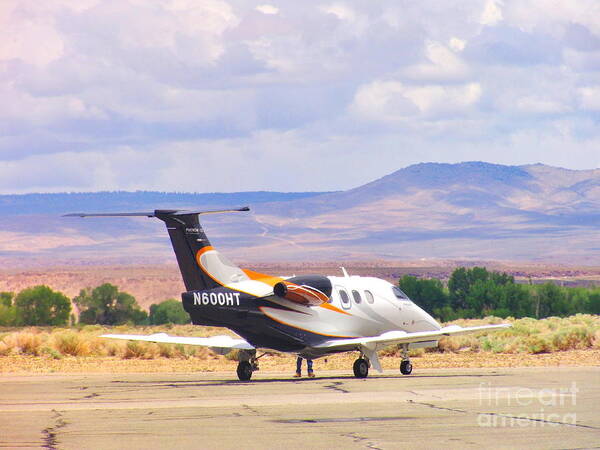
x,y
157,212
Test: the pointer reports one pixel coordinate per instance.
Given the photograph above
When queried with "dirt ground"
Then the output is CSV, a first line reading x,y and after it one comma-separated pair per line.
x,y
25,364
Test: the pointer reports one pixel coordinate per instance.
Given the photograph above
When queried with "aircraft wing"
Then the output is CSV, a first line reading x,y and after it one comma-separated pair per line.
x,y
219,344
370,345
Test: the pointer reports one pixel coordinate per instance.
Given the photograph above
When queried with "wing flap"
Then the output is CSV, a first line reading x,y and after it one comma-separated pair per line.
x,y
216,343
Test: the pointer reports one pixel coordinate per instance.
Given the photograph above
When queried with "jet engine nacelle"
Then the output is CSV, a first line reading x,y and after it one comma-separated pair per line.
x,y
308,290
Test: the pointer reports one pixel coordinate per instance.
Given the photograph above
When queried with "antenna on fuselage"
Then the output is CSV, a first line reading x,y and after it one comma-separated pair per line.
x,y
344,272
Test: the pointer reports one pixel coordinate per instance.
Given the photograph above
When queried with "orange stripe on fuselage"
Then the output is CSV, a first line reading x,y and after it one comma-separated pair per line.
x,y
299,328
333,308
257,276
199,254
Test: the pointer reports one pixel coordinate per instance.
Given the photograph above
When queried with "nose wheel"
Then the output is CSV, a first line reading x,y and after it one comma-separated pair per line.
x,y
405,367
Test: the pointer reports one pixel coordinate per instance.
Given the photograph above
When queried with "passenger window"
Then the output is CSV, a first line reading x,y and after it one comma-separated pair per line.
x,y
357,297
369,296
345,299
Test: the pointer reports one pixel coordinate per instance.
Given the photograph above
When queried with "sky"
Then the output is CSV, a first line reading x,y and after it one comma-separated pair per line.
x,y
215,95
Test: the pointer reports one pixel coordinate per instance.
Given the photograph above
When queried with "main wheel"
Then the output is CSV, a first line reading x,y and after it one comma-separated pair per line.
x,y
361,368
405,367
244,371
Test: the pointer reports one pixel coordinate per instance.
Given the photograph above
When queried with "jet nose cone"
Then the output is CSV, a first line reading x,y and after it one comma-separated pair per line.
x,y
427,321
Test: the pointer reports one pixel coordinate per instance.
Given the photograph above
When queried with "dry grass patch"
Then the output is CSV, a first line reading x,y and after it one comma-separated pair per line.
x,y
66,349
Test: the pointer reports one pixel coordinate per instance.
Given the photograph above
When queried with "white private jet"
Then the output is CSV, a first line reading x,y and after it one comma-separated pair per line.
x,y
310,315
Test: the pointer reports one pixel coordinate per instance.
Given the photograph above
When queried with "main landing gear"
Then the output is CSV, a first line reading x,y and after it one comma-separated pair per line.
x,y
405,365
248,364
362,364
361,367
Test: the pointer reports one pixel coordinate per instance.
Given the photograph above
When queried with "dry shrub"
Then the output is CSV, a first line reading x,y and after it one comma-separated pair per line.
x,y
202,352
186,351
232,355
596,339
97,346
115,348
536,344
71,343
52,353
167,351
493,343
416,352
5,349
141,350
25,342
457,344
572,338
448,344
524,327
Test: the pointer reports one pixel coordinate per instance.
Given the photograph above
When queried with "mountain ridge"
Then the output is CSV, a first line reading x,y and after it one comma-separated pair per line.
x,y
471,210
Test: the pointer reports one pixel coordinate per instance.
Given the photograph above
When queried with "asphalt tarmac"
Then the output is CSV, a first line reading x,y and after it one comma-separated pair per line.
x,y
451,408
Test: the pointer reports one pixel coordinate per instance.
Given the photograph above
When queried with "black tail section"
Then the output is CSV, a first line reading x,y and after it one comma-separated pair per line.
x,y
188,240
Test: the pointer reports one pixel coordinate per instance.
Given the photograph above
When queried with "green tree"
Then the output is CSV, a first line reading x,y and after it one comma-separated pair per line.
x,y
105,305
429,294
169,311
6,298
515,300
458,287
593,306
40,305
552,300
8,313
483,297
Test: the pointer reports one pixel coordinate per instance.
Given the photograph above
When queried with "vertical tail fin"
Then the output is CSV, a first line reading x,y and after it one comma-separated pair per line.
x,y
201,266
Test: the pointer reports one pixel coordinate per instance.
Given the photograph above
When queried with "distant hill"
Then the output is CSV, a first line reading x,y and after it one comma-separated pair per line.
x,y
140,200
471,210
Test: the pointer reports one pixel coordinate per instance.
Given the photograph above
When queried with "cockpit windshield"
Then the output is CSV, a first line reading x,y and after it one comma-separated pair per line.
x,y
399,294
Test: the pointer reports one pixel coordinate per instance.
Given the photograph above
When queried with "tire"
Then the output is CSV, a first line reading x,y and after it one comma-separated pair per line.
x,y
244,371
405,367
361,368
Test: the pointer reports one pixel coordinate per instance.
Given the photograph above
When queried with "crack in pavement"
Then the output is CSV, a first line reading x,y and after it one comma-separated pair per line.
x,y
251,409
336,386
506,416
49,435
358,438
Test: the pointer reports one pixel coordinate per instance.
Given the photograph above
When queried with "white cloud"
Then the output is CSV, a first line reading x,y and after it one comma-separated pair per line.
x,y
551,15
492,13
341,11
442,64
33,41
267,9
590,98
456,44
393,101
540,105
136,94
